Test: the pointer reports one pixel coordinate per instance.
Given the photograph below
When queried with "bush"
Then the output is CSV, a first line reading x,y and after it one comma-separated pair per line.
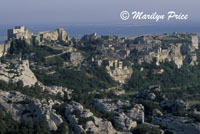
x,y
10,126
141,129
81,81
171,77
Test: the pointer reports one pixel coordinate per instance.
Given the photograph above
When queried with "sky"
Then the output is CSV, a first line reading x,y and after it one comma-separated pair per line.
x,y
89,12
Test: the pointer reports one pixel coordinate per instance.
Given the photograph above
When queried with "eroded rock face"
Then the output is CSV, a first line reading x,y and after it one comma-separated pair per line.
x,y
136,113
57,91
179,125
22,107
4,49
120,74
18,71
62,35
76,58
1,50
84,121
123,119
123,122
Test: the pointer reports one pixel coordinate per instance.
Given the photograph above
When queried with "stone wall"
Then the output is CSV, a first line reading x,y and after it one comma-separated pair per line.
x,y
195,41
1,50
4,48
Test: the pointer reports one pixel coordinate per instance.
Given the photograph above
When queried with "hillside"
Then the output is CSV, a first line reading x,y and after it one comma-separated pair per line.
x,y
53,84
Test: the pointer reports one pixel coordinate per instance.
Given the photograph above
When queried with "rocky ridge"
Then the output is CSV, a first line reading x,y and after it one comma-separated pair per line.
x,y
23,107
18,71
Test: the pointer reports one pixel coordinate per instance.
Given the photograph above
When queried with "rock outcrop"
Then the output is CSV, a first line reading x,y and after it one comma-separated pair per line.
x,y
17,71
24,108
179,125
84,121
123,122
116,69
76,58
57,91
174,105
120,75
149,93
123,118
137,113
2,50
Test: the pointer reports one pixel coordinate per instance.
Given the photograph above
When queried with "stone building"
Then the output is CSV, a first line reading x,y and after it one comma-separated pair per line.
x,y
53,36
19,32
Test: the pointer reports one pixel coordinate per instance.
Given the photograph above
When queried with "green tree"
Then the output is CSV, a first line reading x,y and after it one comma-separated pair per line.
x,y
63,128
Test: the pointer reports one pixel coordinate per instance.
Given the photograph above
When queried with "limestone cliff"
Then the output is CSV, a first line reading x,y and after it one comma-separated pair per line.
x,y
120,74
1,50
22,107
4,49
74,112
18,71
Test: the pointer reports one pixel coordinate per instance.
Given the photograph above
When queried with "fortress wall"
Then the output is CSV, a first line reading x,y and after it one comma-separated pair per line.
x,y
4,48
195,41
1,50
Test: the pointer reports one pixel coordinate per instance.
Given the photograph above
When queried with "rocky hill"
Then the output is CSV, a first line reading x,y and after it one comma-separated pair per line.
x,y
111,51
99,84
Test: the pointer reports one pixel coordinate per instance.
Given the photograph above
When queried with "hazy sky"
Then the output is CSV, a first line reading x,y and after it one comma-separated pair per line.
x,y
88,11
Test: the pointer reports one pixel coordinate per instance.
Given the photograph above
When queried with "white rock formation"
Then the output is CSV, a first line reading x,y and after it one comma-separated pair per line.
x,y
57,90
137,113
2,50
75,112
121,75
123,122
22,107
18,71
76,58
123,119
